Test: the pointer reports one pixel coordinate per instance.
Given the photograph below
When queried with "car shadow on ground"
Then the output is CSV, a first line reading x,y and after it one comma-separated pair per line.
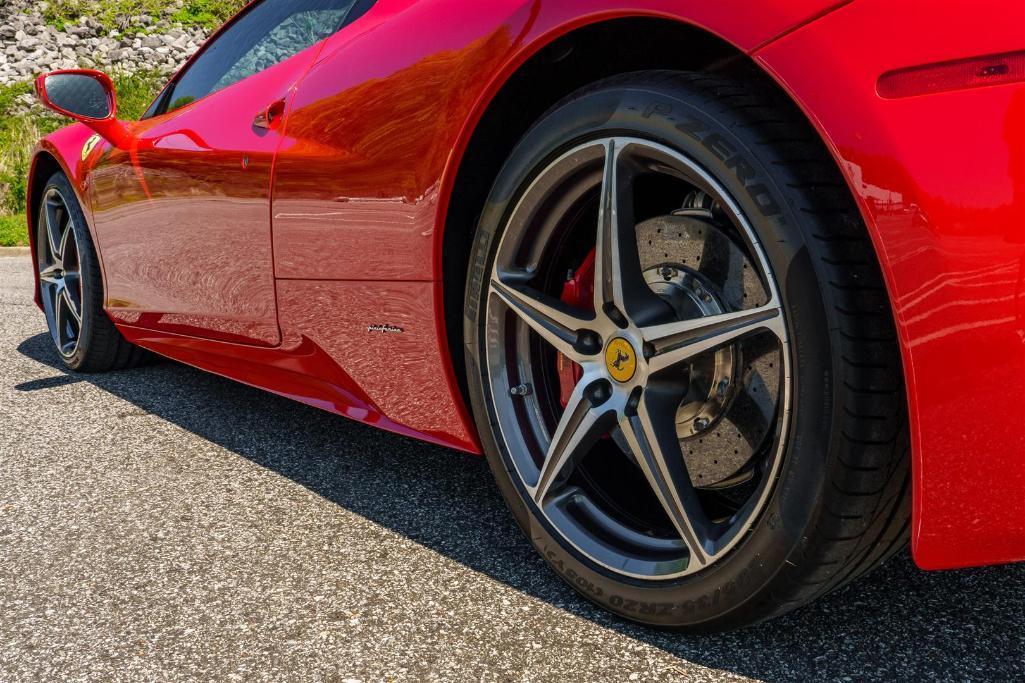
x,y
898,622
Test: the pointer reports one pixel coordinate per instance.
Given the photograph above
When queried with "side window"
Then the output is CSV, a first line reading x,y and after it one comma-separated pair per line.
x,y
268,33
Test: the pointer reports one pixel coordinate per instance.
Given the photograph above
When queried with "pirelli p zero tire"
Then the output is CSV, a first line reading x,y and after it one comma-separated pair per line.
x,y
71,286
681,356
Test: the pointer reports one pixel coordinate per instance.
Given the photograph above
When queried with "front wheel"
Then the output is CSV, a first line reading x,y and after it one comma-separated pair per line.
x,y
681,358
71,286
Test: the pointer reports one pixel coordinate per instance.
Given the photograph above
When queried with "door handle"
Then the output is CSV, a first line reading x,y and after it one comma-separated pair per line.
x,y
269,118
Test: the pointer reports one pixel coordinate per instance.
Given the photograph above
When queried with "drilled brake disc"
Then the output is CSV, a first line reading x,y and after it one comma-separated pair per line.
x,y
729,406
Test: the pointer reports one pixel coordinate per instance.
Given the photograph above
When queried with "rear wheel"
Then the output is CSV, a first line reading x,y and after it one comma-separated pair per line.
x,y
681,357
71,287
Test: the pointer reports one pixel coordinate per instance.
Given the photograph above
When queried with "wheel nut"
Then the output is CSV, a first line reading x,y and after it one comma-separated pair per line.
x,y
520,390
702,293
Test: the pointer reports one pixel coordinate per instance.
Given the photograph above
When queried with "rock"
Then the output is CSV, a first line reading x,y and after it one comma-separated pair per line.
x,y
28,45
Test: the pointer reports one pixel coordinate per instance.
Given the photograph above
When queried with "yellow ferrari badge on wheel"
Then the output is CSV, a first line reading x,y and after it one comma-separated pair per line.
x,y
621,360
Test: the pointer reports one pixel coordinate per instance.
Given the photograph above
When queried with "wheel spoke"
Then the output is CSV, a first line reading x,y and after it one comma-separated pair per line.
x,y
54,233
73,283
679,342
578,429
619,286
76,315
50,274
552,320
60,317
69,248
653,440
67,236
50,292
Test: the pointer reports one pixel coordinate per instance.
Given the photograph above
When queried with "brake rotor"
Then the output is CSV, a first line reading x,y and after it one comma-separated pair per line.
x,y
729,406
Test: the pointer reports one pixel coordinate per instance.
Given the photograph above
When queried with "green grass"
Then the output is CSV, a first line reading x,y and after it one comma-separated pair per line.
x,y
135,92
207,13
13,231
18,136
9,93
114,14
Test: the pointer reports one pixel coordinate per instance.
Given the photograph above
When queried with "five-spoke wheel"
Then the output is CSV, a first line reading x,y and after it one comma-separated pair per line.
x,y
636,359
60,277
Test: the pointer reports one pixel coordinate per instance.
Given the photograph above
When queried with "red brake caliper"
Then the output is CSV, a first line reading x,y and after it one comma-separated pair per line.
x,y
579,293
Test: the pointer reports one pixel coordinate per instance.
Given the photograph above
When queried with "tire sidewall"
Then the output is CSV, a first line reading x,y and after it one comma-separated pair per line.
x,y
673,113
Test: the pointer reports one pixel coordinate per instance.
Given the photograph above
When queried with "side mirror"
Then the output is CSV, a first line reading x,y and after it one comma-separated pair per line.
x,y
86,96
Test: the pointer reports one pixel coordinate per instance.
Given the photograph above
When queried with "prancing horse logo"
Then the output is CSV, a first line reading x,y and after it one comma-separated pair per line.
x,y
620,360
89,146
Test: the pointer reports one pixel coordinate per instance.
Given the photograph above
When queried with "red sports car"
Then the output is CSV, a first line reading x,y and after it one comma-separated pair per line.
x,y
730,294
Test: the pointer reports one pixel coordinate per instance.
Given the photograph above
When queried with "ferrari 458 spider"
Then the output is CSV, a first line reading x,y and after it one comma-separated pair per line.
x,y
729,294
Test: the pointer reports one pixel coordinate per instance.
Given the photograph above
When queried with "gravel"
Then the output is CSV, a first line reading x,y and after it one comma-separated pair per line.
x,y
165,524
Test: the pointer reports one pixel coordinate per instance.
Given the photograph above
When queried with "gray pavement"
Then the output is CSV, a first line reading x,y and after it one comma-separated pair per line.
x,y
165,524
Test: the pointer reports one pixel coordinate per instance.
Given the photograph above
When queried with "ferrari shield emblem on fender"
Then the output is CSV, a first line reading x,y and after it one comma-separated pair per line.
x,y
89,146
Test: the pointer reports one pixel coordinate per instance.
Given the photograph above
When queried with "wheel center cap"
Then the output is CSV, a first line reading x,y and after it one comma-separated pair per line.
x,y
621,360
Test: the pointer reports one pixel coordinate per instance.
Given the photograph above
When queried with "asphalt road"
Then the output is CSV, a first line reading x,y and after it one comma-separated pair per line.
x,y
165,524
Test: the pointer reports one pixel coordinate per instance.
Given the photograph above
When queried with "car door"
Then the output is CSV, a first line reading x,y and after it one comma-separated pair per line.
x,y
183,214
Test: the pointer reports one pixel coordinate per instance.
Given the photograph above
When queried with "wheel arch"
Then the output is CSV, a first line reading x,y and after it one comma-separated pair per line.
x,y
44,165
52,154
547,71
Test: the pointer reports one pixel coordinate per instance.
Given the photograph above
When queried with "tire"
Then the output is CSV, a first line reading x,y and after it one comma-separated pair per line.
x,y
830,476
71,286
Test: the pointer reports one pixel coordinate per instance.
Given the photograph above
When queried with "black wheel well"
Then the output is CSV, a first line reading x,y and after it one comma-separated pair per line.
x,y
42,170
583,56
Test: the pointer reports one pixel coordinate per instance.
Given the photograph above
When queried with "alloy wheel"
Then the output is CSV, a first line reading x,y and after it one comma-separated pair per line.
x,y
60,275
664,354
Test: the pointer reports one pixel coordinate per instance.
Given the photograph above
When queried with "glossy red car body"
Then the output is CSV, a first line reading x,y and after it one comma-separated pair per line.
x,y
285,258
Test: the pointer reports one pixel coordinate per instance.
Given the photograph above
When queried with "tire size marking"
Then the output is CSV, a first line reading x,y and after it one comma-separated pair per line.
x,y
644,607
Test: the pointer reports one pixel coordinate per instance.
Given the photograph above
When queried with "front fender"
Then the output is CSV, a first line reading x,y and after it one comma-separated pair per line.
x,y
940,180
63,150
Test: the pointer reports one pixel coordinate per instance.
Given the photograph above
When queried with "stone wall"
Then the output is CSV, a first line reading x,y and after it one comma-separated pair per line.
x,y
28,46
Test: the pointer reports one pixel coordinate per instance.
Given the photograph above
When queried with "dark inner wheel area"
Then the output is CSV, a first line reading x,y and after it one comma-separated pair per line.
x,y
696,259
